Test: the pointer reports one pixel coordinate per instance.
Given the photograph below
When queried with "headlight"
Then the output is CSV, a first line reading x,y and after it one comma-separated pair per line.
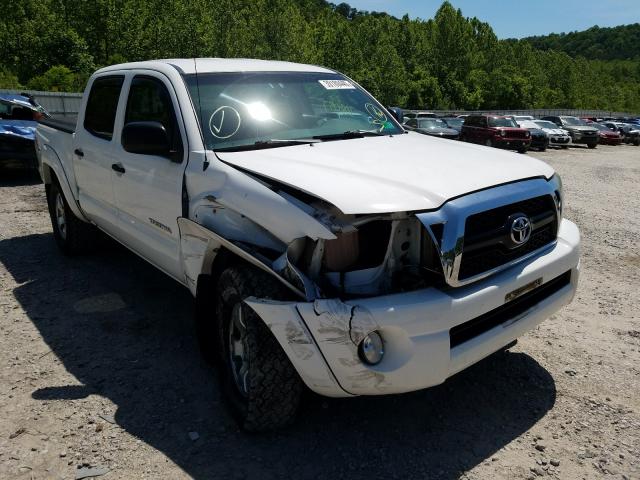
x,y
503,133
371,349
558,195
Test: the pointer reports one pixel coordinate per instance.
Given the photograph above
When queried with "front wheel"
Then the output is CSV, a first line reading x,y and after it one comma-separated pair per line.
x,y
592,145
489,142
522,150
259,383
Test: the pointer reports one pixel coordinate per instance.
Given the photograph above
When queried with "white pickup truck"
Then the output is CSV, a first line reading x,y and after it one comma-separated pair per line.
x,y
324,245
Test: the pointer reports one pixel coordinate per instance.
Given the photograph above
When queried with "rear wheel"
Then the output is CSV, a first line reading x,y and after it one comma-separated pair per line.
x,y
259,383
72,235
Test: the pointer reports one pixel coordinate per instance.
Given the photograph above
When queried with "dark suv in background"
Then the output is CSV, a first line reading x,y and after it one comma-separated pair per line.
x,y
579,130
495,131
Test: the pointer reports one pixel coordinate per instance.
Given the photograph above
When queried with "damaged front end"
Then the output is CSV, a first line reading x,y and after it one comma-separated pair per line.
x,y
399,278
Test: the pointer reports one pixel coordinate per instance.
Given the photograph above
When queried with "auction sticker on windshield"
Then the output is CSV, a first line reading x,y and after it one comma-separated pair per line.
x,y
336,84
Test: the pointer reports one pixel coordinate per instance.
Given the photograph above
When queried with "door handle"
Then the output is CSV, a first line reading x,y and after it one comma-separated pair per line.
x,y
78,152
117,167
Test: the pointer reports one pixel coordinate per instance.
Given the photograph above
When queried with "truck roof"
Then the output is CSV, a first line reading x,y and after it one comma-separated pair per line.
x,y
210,65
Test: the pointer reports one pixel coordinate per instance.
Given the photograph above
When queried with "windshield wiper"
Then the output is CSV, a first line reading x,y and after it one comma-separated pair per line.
x,y
351,134
271,143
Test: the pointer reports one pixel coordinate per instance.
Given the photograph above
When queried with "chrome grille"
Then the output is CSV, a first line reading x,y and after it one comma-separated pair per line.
x,y
469,232
486,244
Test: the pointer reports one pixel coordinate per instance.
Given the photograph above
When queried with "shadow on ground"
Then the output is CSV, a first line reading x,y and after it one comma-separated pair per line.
x,y
125,332
15,177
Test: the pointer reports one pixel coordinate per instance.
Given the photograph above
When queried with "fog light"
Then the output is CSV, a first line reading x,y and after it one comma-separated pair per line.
x,y
371,349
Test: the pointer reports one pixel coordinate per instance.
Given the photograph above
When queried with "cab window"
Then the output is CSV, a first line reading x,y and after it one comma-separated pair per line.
x,y
102,105
149,101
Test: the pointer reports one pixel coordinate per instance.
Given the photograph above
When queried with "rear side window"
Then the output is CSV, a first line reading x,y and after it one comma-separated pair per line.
x,y
102,105
149,101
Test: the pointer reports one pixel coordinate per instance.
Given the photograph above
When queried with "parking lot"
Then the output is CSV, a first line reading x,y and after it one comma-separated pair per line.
x,y
100,369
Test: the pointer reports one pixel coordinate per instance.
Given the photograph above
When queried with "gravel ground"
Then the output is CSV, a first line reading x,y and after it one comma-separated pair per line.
x,y
100,369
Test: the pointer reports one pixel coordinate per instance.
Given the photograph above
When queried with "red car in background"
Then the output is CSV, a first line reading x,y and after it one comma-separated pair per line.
x,y
606,136
495,131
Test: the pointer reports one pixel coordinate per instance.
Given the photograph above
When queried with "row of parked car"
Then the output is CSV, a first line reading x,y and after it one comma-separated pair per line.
x,y
522,132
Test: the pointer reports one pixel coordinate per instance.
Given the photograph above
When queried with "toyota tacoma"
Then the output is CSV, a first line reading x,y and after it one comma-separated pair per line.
x,y
324,245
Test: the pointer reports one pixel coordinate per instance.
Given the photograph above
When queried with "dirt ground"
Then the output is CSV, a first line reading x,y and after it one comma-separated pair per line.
x,y
100,369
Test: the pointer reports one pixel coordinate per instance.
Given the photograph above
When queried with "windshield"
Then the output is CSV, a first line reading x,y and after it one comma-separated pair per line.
x,y
573,121
502,122
546,124
431,123
600,127
247,109
454,122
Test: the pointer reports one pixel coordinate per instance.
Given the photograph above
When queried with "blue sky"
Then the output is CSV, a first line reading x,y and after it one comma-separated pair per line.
x,y
520,18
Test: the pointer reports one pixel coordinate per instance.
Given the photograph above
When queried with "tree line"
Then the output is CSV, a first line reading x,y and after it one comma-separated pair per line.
x,y
449,61
612,43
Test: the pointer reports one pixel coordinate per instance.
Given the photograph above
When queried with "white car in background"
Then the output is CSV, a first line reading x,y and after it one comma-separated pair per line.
x,y
519,118
558,137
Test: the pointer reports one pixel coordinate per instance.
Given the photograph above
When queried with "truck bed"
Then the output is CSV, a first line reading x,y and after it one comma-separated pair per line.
x,y
67,126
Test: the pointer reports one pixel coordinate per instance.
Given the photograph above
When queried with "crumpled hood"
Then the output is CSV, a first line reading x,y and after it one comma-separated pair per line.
x,y
388,174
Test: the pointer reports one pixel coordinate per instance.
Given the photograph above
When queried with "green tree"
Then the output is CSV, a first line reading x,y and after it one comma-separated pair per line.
x,y
56,79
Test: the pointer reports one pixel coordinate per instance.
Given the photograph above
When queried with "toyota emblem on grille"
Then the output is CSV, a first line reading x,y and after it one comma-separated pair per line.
x,y
520,229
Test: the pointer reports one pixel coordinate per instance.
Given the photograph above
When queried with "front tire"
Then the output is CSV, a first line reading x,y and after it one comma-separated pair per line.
x,y
259,383
592,145
72,235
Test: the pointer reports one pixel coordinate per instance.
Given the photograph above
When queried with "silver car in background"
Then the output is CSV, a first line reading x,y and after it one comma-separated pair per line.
x,y
558,137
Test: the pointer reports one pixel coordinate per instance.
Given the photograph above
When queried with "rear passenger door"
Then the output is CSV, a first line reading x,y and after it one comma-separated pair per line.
x,y
93,151
148,187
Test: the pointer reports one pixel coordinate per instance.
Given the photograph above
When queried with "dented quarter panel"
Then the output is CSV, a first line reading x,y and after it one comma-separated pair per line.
x,y
199,246
241,193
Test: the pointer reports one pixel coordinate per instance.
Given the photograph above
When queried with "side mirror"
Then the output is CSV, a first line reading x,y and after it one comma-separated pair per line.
x,y
397,114
148,138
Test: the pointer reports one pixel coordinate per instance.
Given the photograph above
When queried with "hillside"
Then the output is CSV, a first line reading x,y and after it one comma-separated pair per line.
x,y
449,61
615,43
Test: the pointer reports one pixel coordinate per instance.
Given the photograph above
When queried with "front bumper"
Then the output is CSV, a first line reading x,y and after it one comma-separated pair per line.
x,y
559,140
512,143
321,337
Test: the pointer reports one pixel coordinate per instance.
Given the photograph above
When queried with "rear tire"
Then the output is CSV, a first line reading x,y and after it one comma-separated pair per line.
x,y
72,235
259,383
